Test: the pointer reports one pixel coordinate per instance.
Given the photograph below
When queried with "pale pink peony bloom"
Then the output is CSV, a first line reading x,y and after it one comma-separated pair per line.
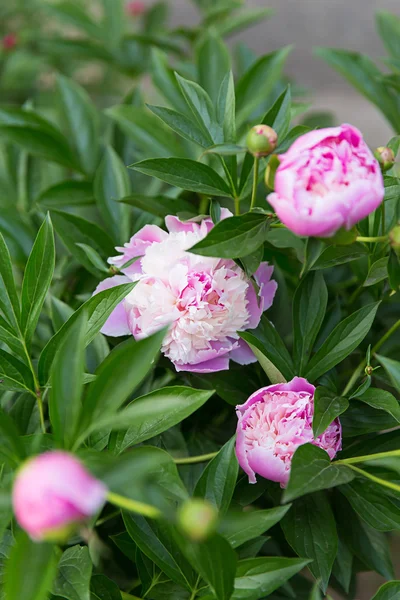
x,y
204,301
52,492
273,423
328,179
135,8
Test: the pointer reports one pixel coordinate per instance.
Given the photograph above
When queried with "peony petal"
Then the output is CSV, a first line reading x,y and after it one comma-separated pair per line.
x,y
243,354
117,322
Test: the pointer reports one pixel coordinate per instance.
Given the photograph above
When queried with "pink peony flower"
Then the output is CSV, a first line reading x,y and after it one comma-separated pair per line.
x,y
54,491
206,301
9,41
135,8
273,423
328,179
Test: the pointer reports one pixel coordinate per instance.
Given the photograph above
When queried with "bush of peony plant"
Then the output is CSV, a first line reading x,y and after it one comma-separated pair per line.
x,y
199,320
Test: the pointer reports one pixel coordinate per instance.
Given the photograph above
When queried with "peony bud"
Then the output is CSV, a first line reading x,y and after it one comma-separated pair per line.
x,y
273,423
52,493
9,41
385,157
394,237
135,8
197,519
261,140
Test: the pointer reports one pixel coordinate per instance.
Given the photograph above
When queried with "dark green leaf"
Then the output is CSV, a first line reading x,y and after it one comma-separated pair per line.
x,y
309,307
382,400
164,79
360,419
14,374
67,193
186,174
94,258
312,471
12,448
239,528
161,206
327,406
182,125
226,108
388,591
213,63
234,237
342,341
9,302
74,573
98,309
374,506
377,272
338,255
310,529
30,570
218,480
392,368
37,279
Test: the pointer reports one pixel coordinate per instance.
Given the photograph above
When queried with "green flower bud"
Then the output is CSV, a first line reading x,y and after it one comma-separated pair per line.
x,y
394,237
270,171
261,140
197,519
385,157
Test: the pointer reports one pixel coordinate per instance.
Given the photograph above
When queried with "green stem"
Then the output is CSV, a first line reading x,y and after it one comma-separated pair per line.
x,y
378,480
363,363
195,589
371,240
133,505
126,596
255,182
204,203
383,218
189,460
107,518
37,387
367,457
237,206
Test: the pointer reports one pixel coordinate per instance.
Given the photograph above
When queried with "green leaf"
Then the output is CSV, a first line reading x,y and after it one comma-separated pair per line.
x,y
239,21
389,590
202,109
14,374
12,449
215,560
268,341
342,341
343,565
160,206
67,193
309,307
115,378
98,309
312,471
338,255
154,413
218,480
389,30
102,588
111,183
238,528
30,570
94,258
77,16
36,135
360,419
37,279
226,108
182,125
156,540
67,382
213,63
186,174
151,138
392,368
74,230
9,302
74,573
310,529
259,577
382,400
375,507
81,121
377,272
258,82
327,406
165,81
361,72
234,237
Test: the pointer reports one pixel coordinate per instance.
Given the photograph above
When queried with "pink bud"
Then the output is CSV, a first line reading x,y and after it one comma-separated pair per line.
x,y
273,423
9,41
52,492
135,8
328,179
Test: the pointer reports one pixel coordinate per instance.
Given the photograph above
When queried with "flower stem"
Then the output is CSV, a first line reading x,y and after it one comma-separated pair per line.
x,y
378,480
189,460
371,240
237,206
375,348
383,218
133,505
255,182
126,596
38,392
367,457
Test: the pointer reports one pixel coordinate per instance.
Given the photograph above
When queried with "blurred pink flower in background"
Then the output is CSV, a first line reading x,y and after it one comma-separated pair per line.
x,y
135,8
9,41
328,179
206,301
52,492
273,423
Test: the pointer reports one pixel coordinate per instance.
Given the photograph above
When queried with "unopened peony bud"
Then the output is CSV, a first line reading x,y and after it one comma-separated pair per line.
x,y
9,41
261,140
197,518
135,8
52,493
394,237
385,157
